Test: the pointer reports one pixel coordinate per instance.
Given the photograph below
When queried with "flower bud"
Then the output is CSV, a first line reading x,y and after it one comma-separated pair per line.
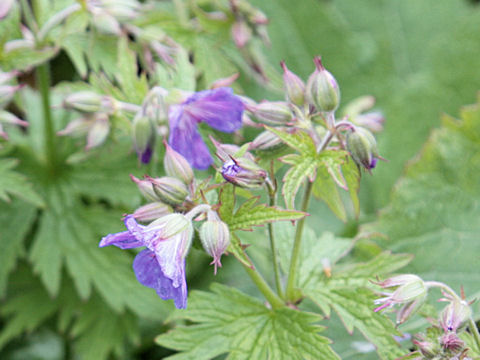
x,y
88,102
362,147
170,225
451,342
155,106
169,190
8,118
146,188
5,7
99,131
152,211
177,166
322,89
7,92
143,136
273,112
76,127
106,23
241,33
455,315
243,172
372,121
427,348
294,86
410,291
215,238
267,141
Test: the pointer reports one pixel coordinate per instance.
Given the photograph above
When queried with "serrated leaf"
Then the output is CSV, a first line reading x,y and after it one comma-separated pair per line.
x,y
14,183
326,189
228,321
16,219
435,207
24,58
299,140
302,168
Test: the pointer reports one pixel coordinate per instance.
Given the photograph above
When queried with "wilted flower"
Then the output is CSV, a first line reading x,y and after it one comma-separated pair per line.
x,y
218,108
410,291
244,172
161,266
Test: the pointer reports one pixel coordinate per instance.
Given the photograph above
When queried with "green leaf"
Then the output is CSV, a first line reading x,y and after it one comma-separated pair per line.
x,y
16,220
16,184
326,189
228,321
347,293
24,58
299,140
435,207
302,167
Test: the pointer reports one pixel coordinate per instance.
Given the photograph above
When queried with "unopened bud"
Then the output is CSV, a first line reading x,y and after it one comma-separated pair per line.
x,y
372,121
155,106
362,147
322,89
77,127
177,166
427,348
170,225
146,188
267,141
123,10
452,342
7,92
106,23
152,211
169,190
5,7
88,102
98,132
294,86
8,118
241,33
273,112
215,238
244,172
143,136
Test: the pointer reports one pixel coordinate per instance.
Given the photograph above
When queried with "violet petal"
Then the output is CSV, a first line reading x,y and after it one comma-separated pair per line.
x,y
123,240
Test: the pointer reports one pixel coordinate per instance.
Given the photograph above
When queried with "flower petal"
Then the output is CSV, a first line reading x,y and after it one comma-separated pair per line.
x,y
185,139
123,240
149,273
219,108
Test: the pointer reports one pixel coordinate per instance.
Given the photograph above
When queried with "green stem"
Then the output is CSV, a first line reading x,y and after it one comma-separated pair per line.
x,y
271,235
293,270
262,285
43,82
474,329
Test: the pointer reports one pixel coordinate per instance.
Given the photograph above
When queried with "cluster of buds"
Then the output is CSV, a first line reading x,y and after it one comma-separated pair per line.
x,y
7,91
249,21
109,15
94,122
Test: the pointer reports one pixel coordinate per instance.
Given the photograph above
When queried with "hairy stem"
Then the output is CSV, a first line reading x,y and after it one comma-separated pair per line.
x,y
262,285
43,81
293,270
271,235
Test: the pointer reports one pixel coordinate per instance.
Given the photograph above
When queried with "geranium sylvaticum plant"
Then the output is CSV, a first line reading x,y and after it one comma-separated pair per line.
x,y
151,170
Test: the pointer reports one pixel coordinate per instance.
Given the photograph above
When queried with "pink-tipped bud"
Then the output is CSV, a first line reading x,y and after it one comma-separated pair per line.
x,y
455,315
8,118
177,166
322,89
7,92
215,238
98,132
273,112
146,188
241,33
294,86
77,127
151,211
267,141
362,147
169,190
372,121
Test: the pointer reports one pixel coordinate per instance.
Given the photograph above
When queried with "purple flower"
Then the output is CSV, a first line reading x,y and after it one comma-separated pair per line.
x,y
218,108
161,266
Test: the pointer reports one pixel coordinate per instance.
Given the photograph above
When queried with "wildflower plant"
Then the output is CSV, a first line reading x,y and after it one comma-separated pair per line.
x,y
153,129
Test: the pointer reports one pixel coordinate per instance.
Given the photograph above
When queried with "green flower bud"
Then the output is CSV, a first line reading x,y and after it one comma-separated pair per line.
x,y
88,102
243,172
143,136
215,238
273,112
267,141
98,132
455,315
152,211
169,190
362,147
146,188
294,86
322,89
177,166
